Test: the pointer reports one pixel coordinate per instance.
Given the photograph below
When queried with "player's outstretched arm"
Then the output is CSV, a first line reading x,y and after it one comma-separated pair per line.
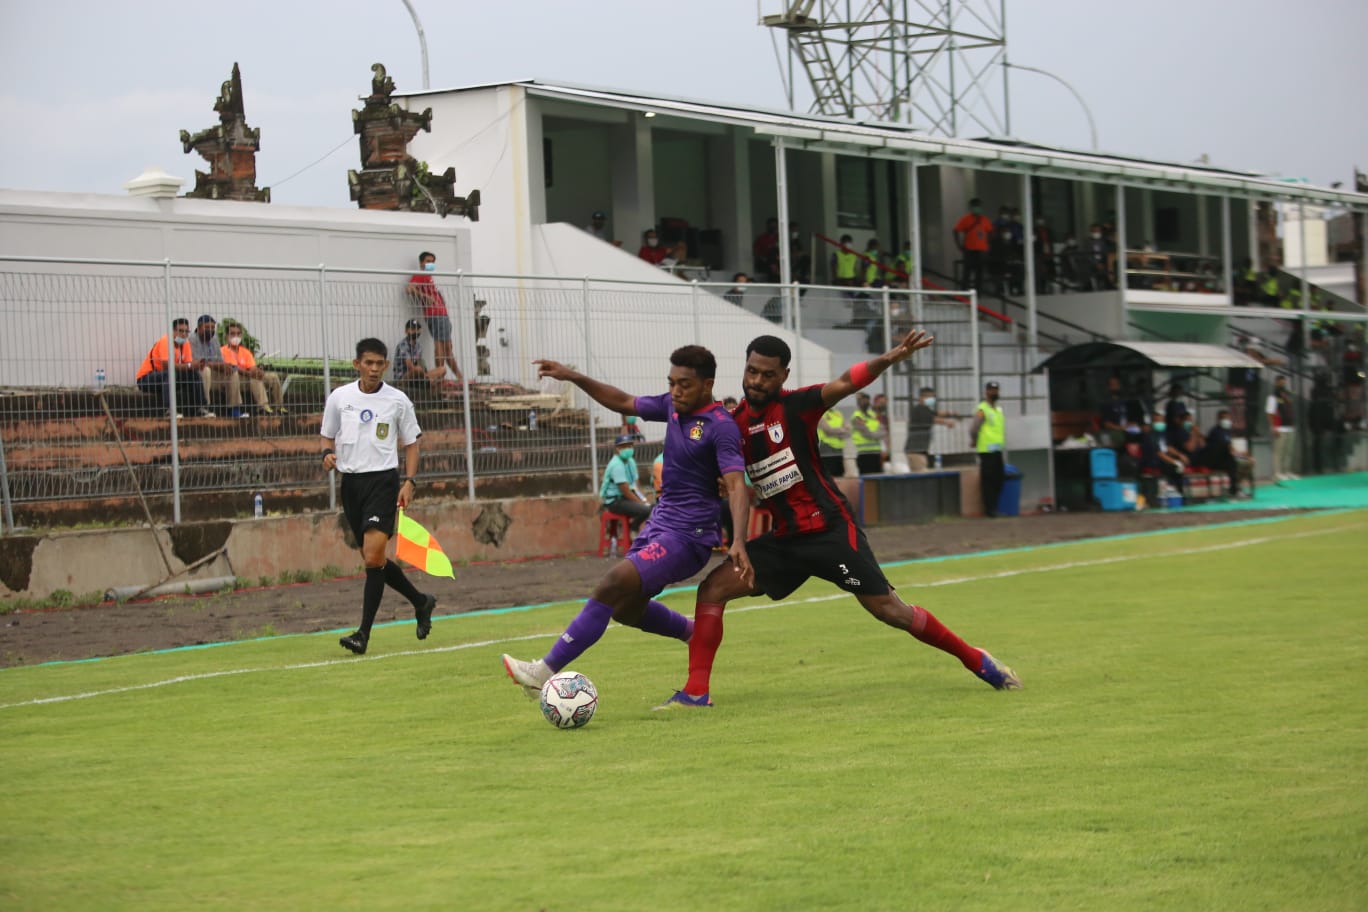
x,y
864,373
738,501
604,394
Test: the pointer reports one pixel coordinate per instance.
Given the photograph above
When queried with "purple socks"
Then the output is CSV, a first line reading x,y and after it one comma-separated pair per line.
x,y
584,631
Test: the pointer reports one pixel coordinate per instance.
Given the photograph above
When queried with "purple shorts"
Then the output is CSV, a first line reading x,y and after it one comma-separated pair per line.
x,y
662,557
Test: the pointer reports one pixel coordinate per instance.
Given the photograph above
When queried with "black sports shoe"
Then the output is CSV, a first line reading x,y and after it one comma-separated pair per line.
x,y
356,642
424,616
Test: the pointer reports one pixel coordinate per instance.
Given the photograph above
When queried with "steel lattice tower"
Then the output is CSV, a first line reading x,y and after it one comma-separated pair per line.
x,y
938,64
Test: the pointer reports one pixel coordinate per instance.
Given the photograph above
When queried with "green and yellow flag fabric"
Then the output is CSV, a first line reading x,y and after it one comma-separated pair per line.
x,y
415,545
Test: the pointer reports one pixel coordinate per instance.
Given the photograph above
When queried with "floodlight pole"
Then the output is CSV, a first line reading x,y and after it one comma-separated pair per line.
x,y
1092,127
422,41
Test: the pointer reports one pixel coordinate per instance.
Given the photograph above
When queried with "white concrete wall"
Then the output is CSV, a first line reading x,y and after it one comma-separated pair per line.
x,y
62,322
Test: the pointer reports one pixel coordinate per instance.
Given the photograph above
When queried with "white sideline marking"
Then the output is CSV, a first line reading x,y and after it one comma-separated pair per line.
x,y
839,594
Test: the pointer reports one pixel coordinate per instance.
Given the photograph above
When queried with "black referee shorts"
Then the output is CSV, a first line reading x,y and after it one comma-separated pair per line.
x,y
370,500
782,564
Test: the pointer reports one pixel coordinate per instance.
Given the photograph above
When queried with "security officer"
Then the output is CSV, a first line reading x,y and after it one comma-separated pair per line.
x,y
990,441
831,437
867,434
844,263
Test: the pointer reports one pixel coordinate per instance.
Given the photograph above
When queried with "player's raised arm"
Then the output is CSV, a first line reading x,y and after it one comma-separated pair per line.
x,y
604,394
864,373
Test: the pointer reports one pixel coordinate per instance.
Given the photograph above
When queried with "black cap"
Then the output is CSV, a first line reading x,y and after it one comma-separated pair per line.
x,y
414,323
205,318
624,438
598,213
992,384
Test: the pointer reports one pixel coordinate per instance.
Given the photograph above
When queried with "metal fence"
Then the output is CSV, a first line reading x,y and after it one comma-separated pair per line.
x,y
75,426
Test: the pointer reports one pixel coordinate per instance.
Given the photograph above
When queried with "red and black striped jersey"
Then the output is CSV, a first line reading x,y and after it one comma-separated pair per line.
x,y
779,443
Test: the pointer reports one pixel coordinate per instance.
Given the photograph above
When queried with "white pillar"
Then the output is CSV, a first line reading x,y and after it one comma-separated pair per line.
x,y
1121,245
1227,253
914,224
1028,218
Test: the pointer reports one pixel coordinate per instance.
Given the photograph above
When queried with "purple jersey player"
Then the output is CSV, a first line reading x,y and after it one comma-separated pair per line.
x,y
702,442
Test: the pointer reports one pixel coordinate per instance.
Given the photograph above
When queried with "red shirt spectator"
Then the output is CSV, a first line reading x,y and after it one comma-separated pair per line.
x,y
651,251
422,287
977,228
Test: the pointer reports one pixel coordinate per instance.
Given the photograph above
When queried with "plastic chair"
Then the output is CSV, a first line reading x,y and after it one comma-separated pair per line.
x,y
621,538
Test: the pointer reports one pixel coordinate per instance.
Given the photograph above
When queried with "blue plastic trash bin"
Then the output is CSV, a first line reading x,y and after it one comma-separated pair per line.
x,y
1009,501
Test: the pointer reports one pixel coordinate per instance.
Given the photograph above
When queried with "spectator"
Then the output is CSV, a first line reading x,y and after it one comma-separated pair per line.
x,y
1101,254
989,433
1157,456
800,260
598,225
1281,412
424,290
1004,262
155,372
971,235
1044,257
409,372
765,251
1218,454
866,433
729,403
650,250
1269,292
737,293
831,437
920,422
1325,424
873,272
265,386
1112,416
1176,407
214,373
903,263
845,264
620,478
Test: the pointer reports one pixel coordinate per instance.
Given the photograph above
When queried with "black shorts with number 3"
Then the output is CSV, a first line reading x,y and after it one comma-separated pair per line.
x,y
370,500
782,564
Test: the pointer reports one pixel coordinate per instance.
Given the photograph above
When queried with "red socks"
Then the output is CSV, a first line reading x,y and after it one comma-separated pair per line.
x,y
703,645
933,633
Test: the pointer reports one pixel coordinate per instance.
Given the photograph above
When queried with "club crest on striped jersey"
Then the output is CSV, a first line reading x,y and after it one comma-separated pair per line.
x,y
776,432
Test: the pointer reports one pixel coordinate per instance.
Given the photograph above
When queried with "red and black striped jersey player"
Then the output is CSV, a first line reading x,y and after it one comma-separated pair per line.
x,y
815,532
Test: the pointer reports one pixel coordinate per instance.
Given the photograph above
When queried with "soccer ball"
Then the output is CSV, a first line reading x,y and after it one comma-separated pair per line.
x,y
568,700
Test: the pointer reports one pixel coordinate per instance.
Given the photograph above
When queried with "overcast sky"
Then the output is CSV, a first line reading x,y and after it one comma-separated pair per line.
x,y
91,93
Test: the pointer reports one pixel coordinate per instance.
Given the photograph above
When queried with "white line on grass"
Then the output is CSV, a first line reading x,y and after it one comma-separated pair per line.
x,y
840,594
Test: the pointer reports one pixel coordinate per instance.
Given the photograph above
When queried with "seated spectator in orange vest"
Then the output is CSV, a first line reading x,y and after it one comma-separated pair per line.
x,y
264,385
156,369
208,359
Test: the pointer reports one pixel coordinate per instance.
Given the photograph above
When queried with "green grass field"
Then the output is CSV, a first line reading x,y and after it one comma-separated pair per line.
x,y
1192,736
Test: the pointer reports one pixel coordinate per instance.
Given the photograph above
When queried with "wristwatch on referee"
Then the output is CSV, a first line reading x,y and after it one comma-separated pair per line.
x,y
411,480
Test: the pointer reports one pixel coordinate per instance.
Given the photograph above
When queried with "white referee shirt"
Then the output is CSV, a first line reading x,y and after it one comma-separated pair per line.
x,y
369,428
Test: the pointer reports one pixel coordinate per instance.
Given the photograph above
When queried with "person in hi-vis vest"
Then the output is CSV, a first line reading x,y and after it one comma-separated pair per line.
x,y
866,432
990,440
832,432
844,264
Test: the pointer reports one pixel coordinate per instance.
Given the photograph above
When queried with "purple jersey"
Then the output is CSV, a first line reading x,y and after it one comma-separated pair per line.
x,y
699,447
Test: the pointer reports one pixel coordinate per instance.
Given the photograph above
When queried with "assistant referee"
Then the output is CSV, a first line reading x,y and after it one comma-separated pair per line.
x,y
364,425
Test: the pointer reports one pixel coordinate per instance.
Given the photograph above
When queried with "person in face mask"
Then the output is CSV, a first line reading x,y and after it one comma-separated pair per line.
x,y
621,478
422,288
264,385
155,372
989,433
1219,456
921,420
1157,457
651,251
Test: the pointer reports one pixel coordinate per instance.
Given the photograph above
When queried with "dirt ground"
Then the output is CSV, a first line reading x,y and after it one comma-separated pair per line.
x,y
114,629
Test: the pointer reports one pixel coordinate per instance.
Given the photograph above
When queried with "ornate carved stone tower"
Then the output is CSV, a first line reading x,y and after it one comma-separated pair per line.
x,y
230,149
390,178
